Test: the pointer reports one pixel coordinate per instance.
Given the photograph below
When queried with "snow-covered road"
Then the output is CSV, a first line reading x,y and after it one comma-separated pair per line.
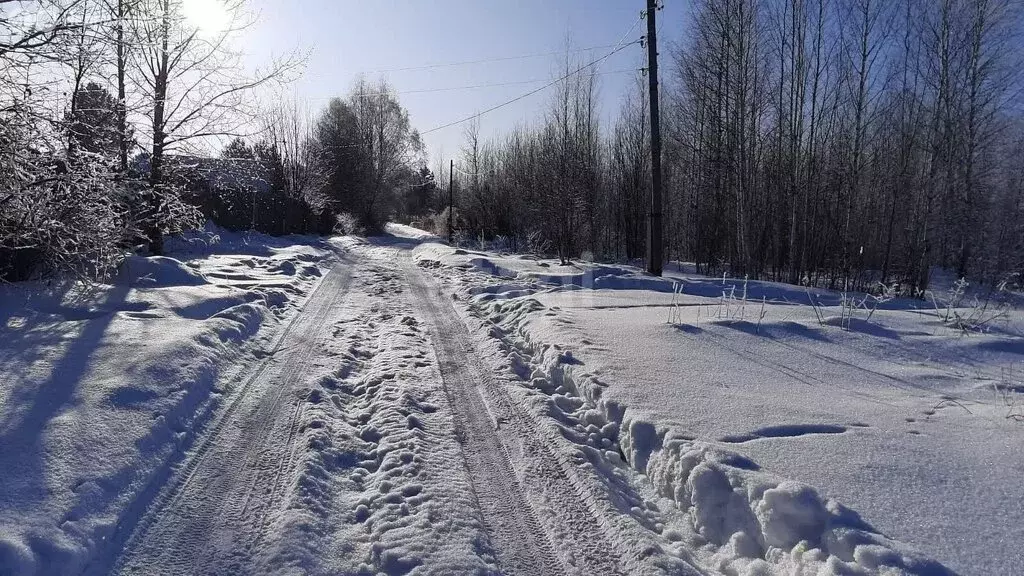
x,y
520,546
402,416
375,435
213,513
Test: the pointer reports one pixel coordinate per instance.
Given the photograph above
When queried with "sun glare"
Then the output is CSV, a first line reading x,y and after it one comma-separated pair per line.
x,y
209,16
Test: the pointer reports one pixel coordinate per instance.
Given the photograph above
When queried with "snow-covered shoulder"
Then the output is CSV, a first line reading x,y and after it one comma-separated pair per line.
x,y
102,388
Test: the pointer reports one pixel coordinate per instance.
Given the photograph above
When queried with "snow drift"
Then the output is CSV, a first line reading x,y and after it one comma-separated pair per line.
x,y
157,272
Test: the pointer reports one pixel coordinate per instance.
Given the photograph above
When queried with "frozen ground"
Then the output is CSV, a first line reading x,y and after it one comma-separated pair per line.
x,y
394,406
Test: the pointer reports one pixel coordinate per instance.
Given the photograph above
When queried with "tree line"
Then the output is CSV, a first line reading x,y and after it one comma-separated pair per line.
x,y
352,166
840,143
829,142
95,97
109,110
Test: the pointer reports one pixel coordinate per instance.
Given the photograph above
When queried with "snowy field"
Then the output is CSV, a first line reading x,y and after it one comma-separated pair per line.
x,y
773,436
391,405
103,389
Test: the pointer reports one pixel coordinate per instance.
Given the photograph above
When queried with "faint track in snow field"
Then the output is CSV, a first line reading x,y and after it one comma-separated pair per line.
x,y
781,364
207,515
492,428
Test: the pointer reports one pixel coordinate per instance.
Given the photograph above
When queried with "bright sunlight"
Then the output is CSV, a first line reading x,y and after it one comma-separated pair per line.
x,y
209,16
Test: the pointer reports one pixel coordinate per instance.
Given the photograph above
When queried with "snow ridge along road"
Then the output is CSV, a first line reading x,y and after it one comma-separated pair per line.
x,y
211,514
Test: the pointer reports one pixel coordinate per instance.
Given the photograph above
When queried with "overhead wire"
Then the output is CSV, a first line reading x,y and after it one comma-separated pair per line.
x,y
471,87
486,60
619,47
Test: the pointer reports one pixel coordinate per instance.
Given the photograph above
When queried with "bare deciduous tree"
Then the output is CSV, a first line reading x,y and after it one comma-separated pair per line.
x,y
195,88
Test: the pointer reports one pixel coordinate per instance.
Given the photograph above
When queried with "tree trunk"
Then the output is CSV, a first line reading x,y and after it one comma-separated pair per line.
x,y
153,228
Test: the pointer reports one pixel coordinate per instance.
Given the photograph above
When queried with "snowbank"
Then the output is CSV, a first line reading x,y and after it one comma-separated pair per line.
x,y
404,231
752,520
102,389
157,272
213,239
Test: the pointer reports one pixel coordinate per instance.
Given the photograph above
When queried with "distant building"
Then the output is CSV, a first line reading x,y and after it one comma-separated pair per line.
x,y
236,193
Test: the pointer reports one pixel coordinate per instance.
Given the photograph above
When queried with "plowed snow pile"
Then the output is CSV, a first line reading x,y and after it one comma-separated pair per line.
x,y
103,388
776,437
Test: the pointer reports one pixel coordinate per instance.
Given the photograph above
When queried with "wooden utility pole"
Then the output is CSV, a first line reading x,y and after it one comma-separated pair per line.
x,y
451,200
253,225
654,239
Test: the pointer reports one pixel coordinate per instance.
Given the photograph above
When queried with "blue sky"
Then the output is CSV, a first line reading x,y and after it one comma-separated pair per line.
x,y
349,37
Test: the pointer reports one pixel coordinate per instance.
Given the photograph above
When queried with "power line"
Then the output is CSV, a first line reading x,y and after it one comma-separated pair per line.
x,y
471,87
548,85
486,60
513,83
624,70
622,39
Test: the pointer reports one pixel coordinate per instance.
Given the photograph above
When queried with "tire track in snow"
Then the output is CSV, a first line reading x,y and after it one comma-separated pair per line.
x,y
198,522
381,486
492,425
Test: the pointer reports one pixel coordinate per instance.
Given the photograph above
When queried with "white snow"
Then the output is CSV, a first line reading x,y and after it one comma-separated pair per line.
x,y
508,406
404,231
157,272
756,432
102,388
381,486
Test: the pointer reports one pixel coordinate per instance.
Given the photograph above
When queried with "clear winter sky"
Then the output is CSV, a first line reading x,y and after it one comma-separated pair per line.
x,y
350,37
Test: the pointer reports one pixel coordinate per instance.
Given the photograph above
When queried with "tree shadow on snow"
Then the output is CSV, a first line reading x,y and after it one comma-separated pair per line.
x,y
391,241
29,329
689,328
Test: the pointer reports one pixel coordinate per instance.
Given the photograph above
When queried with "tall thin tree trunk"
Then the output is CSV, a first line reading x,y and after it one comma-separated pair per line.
x,y
154,232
